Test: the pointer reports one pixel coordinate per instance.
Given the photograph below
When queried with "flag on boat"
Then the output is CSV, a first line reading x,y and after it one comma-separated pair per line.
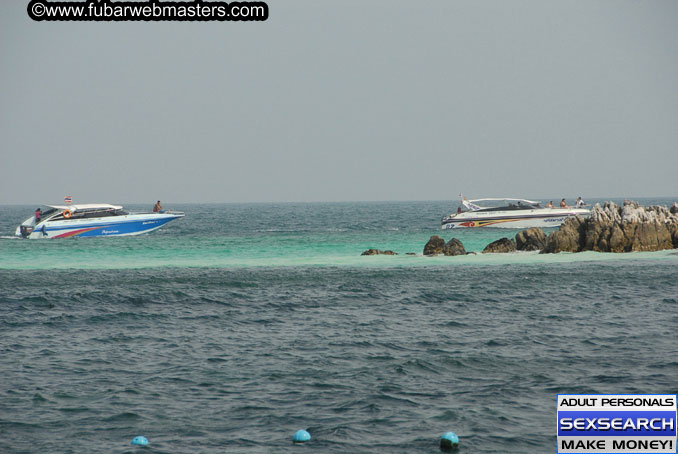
x,y
68,199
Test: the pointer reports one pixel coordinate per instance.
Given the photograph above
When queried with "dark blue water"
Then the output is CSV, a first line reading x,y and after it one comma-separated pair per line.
x,y
377,358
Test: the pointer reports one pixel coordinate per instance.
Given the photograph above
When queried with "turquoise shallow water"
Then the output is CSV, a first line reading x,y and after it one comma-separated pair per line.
x,y
230,329
263,235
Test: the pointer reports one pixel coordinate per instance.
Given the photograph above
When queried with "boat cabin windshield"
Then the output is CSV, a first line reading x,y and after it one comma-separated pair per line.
x,y
507,205
513,206
89,213
47,213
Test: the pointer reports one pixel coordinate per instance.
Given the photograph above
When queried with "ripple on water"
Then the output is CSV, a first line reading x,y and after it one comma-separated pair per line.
x,y
370,359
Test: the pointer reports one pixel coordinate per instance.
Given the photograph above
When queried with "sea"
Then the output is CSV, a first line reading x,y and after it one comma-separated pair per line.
x,y
232,328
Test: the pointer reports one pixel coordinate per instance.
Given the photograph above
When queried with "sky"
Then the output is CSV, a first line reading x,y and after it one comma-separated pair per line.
x,y
346,100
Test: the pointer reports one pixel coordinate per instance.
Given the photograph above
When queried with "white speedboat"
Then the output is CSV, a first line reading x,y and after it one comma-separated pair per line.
x,y
512,214
65,221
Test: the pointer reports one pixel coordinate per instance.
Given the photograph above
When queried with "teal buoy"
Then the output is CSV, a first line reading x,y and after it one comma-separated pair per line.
x,y
449,441
301,436
140,441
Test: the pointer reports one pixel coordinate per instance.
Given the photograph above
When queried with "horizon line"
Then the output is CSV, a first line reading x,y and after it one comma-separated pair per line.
x,y
341,201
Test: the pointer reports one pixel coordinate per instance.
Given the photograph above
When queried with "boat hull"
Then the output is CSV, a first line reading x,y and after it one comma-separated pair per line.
x,y
533,218
128,225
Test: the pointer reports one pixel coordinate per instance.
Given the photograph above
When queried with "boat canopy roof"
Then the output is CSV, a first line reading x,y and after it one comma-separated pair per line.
x,y
521,203
87,206
496,199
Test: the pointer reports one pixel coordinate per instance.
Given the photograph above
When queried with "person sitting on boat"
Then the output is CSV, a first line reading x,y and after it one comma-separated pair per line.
x,y
158,207
580,203
550,204
563,204
38,215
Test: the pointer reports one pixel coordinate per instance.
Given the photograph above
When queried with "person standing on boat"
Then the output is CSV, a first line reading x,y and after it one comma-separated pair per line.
x,y
158,207
580,203
38,215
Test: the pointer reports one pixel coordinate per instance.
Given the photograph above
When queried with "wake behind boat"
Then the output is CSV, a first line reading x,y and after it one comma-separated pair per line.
x,y
512,214
86,220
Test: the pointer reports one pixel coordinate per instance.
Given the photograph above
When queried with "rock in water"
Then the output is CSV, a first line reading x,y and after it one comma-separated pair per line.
x,y
651,236
500,246
455,247
435,246
613,240
378,252
611,228
673,228
533,239
567,238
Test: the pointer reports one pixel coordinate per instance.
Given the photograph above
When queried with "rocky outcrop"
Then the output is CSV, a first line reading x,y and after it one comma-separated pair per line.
x,y
378,252
674,234
612,228
455,247
533,239
436,245
502,245
674,208
567,238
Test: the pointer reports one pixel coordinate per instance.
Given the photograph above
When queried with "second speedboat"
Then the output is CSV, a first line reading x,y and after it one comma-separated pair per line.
x,y
512,214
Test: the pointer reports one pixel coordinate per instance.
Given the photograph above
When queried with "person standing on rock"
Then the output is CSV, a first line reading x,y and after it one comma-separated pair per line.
x,y
580,203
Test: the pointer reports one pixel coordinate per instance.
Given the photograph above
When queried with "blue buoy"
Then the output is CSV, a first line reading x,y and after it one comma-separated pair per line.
x,y
140,441
301,436
449,441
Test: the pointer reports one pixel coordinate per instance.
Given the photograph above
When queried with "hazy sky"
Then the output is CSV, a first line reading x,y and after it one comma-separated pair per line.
x,y
344,100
